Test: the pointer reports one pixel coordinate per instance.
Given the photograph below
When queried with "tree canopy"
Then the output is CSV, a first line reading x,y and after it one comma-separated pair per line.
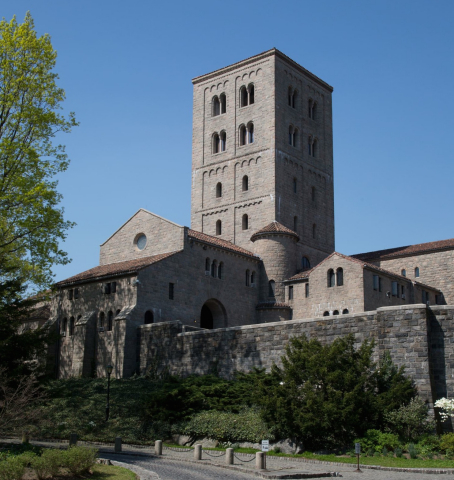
x,y
31,221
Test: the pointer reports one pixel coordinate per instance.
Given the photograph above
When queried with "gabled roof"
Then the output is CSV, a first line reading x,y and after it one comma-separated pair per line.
x,y
274,227
114,269
408,250
219,242
370,266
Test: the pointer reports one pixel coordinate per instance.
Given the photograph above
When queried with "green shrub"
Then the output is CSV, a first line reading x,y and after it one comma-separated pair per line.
x,y
12,468
370,452
398,452
428,444
78,460
40,466
447,442
54,459
376,454
384,451
449,454
246,426
377,441
277,449
412,450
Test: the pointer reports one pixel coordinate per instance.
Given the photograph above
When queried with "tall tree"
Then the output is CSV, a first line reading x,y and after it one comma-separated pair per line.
x,y
31,221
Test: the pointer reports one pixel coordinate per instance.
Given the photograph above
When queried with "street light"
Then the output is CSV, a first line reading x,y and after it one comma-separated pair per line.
x,y
109,369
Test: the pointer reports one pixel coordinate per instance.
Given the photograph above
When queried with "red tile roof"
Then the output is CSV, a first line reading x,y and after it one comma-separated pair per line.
x,y
219,242
274,227
114,269
407,250
266,305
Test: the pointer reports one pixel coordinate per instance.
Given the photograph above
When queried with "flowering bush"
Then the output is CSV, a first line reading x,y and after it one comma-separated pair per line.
x,y
446,406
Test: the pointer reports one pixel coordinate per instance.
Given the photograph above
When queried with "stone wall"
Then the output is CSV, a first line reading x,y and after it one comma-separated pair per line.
x,y
416,337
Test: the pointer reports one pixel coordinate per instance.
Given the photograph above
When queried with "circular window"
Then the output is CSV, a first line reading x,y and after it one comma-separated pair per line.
x,y
141,241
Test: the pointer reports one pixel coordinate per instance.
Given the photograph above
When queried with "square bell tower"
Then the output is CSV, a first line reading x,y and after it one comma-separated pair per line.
x,y
262,151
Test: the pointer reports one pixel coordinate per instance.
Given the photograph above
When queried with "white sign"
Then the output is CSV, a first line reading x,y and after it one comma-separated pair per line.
x,y
357,448
265,445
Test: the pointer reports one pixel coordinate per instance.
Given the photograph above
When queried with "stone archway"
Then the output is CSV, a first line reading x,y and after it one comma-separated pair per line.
x,y
213,315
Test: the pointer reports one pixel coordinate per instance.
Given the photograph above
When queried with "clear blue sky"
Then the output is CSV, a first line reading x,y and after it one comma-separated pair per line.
x,y
127,69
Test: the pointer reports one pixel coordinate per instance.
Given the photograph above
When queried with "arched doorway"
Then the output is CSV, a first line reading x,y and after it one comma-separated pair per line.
x,y
213,315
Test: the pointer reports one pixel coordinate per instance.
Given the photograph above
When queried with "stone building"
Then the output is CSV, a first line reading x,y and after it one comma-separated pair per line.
x,y
260,249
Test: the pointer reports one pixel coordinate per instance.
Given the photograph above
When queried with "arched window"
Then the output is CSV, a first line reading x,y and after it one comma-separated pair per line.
x,y
295,224
340,277
148,317
305,263
218,227
295,184
345,311
290,96
251,91
295,95
223,102
312,109
109,321
331,278
64,325
218,190
220,270
214,268
248,278
243,135
314,230
245,222
271,288
417,272
243,97
223,141
295,137
101,320
290,135
216,110
404,272
336,312
71,326
245,183
253,279
313,193
216,143
250,133
312,145
315,148
326,313
207,265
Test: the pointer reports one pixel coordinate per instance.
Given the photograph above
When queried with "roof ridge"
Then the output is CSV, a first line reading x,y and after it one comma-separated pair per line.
x,y
219,242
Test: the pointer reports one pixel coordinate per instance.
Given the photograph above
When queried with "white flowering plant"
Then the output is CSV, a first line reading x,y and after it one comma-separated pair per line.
x,y
446,407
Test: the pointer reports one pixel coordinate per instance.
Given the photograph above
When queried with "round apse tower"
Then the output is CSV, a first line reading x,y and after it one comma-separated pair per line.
x,y
276,246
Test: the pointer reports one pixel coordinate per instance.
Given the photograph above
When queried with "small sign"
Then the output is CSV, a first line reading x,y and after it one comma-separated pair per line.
x,y
357,448
265,445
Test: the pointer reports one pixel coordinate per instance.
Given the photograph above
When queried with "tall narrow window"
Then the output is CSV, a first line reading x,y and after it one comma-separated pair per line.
x,y
245,183
290,292
314,230
243,135
339,277
109,321
113,287
148,317
71,326
218,227
375,277
295,183
312,146
207,265
107,288
253,279
216,106
271,288
243,97
223,102
64,325
76,293
290,96
101,320
305,263
216,143
379,284
306,290
295,96
312,109
220,270
245,222
171,291
248,278
417,272
404,272
214,268
251,91
250,131
313,193
331,278
395,289
295,224
315,148
219,189
70,294
290,135
223,141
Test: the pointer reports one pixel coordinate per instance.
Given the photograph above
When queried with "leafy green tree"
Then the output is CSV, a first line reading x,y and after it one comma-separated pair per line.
x,y
326,395
31,221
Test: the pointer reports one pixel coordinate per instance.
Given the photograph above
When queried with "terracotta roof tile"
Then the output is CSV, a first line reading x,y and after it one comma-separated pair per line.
x,y
219,242
407,250
114,269
265,305
274,227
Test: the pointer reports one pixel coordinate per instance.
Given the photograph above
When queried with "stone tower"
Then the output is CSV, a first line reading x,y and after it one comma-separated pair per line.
x,y
263,152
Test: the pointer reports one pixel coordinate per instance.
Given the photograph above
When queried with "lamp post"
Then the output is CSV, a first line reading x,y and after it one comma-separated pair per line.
x,y
109,369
